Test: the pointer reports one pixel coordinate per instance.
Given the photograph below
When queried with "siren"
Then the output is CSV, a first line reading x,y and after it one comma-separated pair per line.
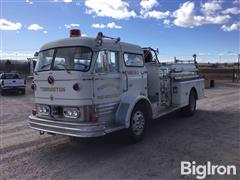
x,y
75,33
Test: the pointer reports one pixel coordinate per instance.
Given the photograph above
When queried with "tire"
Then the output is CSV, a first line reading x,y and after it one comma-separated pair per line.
x,y
138,124
2,92
23,92
190,109
73,139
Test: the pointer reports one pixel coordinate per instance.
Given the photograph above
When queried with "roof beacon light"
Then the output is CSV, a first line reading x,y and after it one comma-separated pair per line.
x,y
75,33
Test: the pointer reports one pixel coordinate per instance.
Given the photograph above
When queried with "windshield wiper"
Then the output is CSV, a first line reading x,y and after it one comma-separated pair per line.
x,y
65,67
45,65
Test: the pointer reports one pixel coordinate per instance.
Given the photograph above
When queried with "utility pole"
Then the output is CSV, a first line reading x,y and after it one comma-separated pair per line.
x,y
238,68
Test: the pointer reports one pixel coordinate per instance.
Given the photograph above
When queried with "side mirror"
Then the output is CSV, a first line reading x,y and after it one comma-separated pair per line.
x,y
36,54
99,38
195,58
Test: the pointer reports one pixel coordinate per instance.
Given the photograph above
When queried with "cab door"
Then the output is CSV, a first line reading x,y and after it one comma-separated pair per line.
x,y
136,74
107,83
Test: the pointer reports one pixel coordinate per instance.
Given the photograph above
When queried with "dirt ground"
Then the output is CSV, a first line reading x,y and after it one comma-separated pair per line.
x,y
212,134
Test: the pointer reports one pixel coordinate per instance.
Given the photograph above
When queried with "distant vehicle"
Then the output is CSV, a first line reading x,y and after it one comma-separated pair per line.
x,y
11,82
88,87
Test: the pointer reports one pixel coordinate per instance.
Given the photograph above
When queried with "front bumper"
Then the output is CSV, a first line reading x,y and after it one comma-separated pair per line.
x,y
13,88
71,128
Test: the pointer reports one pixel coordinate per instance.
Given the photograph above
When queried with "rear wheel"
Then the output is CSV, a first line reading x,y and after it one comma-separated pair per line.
x,y
2,92
138,124
23,92
73,139
190,109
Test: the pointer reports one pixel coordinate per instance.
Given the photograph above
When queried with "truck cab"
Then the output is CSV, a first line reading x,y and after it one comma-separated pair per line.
x,y
88,87
12,82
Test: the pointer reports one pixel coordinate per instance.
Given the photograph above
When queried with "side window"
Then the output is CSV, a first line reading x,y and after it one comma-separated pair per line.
x,y
107,61
113,62
134,60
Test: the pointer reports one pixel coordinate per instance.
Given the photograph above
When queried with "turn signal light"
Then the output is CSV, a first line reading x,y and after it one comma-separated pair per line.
x,y
93,118
34,112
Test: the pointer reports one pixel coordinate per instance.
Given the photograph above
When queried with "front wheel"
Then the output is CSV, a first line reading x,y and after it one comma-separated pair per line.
x,y
138,124
190,109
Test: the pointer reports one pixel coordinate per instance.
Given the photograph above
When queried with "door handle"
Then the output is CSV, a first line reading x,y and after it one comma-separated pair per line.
x,y
143,72
126,75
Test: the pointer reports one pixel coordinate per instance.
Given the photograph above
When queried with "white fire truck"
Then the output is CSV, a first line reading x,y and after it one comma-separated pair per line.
x,y
88,87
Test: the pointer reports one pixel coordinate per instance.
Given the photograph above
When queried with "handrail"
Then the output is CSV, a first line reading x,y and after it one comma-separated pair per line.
x,y
125,72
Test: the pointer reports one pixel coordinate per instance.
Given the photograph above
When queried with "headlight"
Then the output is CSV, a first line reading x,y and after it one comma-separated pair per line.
x,y
43,109
71,112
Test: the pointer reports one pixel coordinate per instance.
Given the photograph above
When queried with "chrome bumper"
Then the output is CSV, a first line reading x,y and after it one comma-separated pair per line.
x,y
71,128
13,87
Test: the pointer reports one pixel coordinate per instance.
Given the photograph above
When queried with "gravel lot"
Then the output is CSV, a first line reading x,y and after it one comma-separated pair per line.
x,y
213,134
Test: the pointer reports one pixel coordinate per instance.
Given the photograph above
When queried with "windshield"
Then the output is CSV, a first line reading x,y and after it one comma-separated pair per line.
x,y
67,58
45,60
10,76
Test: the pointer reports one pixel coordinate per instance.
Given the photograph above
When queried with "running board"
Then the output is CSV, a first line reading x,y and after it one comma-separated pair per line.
x,y
114,127
165,112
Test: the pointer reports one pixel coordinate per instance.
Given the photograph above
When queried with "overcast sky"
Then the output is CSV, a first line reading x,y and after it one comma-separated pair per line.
x,y
209,28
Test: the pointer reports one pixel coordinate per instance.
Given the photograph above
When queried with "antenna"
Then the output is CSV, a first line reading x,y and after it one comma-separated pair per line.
x,y
238,68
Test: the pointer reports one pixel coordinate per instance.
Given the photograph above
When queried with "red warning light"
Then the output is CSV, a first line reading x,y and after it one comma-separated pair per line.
x,y
75,33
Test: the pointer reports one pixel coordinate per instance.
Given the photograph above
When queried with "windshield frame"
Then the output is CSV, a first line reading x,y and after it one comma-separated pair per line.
x,y
4,76
54,56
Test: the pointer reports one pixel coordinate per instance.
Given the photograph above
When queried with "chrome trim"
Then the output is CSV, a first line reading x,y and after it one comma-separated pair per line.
x,y
104,113
107,108
67,128
84,79
56,98
107,104
78,129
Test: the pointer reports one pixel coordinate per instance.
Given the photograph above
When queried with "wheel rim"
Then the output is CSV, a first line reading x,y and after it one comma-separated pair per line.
x,y
192,103
138,123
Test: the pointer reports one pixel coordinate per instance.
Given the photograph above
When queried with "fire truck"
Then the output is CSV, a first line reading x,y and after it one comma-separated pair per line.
x,y
92,86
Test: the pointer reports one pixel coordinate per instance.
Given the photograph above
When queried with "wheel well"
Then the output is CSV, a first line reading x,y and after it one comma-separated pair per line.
x,y
195,91
146,105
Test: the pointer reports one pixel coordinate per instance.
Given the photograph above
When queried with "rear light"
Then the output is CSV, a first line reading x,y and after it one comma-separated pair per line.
x,y
93,118
75,33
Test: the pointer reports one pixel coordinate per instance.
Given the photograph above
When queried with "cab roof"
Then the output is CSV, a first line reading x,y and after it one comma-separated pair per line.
x,y
91,42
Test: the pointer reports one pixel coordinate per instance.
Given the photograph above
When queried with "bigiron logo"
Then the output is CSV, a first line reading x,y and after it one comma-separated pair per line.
x,y
202,171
